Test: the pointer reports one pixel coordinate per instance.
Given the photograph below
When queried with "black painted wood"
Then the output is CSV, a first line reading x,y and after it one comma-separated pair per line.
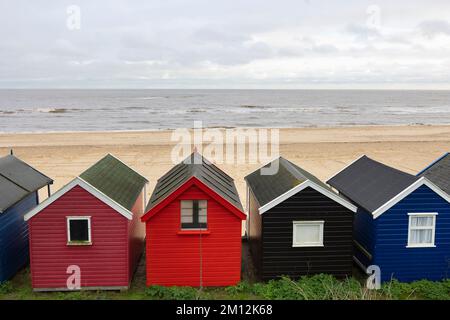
x,y
278,257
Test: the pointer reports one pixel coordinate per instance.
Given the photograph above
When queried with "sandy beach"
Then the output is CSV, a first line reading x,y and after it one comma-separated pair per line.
x,y
322,151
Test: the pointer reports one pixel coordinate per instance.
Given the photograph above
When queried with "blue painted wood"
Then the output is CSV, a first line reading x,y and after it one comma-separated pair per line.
x,y
391,238
14,237
364,235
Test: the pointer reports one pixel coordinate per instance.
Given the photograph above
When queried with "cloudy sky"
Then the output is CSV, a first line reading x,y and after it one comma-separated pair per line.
x,y
225,44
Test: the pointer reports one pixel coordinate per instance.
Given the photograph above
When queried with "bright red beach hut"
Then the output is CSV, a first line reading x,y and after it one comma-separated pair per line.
x,y
88,234
193,227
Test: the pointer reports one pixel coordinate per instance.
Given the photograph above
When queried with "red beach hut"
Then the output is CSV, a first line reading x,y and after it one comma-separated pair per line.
x,y
88,234
193,227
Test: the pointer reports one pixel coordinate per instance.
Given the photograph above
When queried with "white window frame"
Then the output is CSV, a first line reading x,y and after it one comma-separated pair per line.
x,y
433,233
181,222
321,223
88,218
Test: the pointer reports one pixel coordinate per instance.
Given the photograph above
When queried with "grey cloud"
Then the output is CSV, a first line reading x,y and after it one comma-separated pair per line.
x,y
191,43
433,28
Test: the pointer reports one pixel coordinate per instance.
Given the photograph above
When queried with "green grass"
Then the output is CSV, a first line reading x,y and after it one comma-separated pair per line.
x,y
317,287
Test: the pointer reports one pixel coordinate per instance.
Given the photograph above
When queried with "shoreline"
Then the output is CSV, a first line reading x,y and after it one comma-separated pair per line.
x,y
226,128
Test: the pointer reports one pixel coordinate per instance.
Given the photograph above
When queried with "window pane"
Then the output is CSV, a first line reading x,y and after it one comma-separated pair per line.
x,y
202,215
421,221
79,230
186,204
421,236
202,204
308,233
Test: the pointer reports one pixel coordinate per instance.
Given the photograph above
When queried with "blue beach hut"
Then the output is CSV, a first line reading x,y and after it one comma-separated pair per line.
x,y
402,224
19,186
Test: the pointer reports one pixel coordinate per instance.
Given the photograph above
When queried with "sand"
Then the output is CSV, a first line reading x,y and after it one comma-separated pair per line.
x,y
322,151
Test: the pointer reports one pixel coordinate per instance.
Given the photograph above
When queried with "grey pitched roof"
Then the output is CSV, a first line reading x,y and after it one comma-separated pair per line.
x,y
195,166
439,173
268,187
17,180
116,180
370,184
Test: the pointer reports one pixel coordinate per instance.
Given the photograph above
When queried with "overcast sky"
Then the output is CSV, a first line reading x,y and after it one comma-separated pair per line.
x,y
225,44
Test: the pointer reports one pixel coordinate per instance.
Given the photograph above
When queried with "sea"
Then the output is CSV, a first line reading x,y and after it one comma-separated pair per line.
x,y
59,110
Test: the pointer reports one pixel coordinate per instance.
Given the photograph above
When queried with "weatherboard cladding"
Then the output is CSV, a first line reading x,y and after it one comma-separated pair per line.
x,y
14,237
105,263
271,234
195,166
17,180
116,180
370,184
439,173
410,264
279,257
192,259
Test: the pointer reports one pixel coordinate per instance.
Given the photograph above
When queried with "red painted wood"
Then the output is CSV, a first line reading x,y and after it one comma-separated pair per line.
x,y
105,263
176,259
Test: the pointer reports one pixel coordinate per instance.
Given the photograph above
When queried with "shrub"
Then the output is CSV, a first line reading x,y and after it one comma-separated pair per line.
x,y
431,290
317,287
422,289
240,288
6,287
172,293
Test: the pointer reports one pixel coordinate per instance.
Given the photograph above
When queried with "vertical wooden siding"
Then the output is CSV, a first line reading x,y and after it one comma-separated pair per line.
x,y
103,264
409,264
14,237
280,258
176,259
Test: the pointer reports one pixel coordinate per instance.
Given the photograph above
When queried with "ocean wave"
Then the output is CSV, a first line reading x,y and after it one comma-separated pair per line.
x,y
250,106
7,112
53,110
150,98
197,110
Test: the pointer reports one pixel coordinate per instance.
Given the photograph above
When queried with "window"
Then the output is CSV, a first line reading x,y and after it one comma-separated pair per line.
x,y
193,214
308,234
421,231
79,230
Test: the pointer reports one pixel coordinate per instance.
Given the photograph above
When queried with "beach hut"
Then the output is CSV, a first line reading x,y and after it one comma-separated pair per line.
x,y
297,224
402,224
88,235
19,186
194,227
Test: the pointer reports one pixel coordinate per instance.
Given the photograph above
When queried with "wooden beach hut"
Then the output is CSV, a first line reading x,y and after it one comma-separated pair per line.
x,y
193,227
297,224
403,221
88,234
19,186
